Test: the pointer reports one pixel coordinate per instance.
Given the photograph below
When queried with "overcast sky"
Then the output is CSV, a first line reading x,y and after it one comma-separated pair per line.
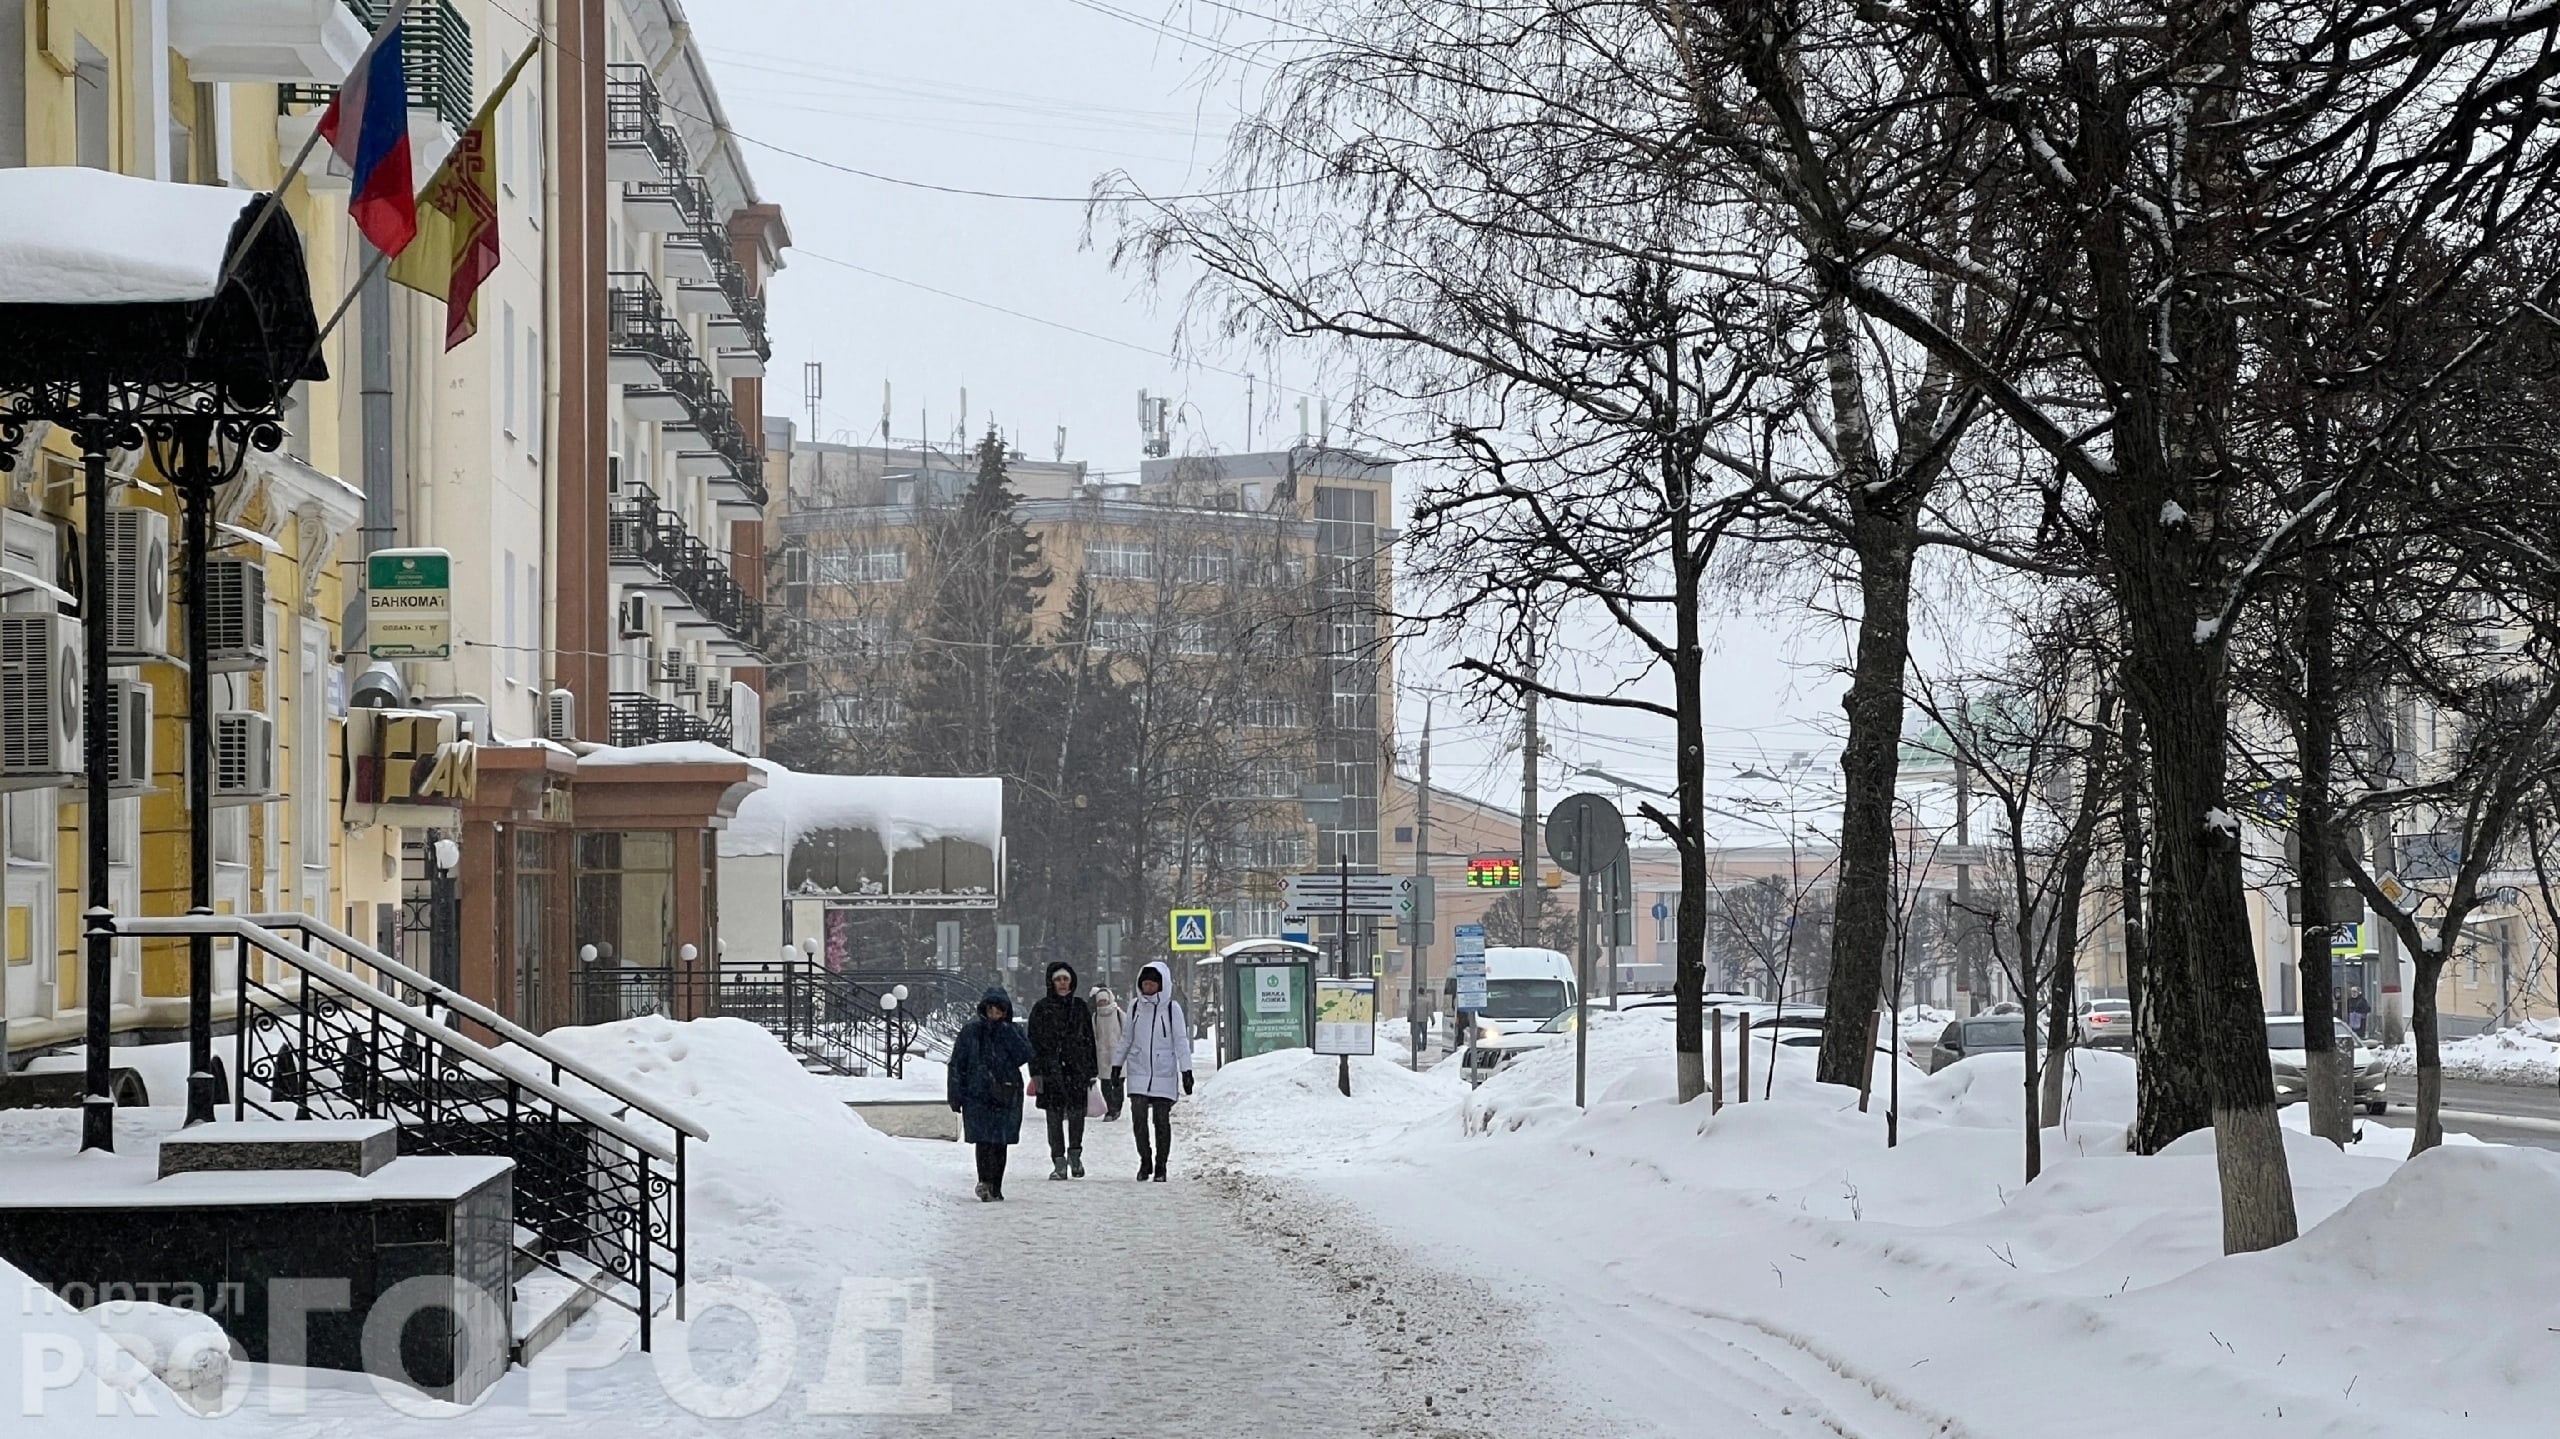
x,y
907,286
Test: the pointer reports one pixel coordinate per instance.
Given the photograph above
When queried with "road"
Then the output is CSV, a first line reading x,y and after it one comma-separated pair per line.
x,y
2479,1109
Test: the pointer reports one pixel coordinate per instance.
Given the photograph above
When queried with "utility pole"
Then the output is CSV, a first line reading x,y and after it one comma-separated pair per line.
x,y
1964,887
2386,860
1421,945
1528,780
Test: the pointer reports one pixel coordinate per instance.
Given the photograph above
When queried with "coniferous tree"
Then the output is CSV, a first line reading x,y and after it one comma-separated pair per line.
x,y
971,709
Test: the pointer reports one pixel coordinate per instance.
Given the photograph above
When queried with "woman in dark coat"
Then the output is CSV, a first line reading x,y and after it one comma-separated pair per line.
x,y
1063,1060
985,1085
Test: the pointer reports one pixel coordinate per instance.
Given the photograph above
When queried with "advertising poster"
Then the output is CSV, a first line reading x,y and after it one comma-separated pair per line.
x,y
1346,1016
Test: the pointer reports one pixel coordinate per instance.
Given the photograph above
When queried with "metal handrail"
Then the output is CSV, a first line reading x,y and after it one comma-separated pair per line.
x,y
267,941
478,1013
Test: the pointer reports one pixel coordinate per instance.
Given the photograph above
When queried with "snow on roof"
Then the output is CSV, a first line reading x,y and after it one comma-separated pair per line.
x,y
906,812
691,751
76,236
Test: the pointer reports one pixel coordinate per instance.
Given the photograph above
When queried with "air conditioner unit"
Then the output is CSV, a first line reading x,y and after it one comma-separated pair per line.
x,y
471,720
235,615
40,701
244,757
560,717
129,737
635,617
136,585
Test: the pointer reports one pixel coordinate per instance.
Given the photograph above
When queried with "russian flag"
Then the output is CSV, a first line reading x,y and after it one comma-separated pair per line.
x,y
375,149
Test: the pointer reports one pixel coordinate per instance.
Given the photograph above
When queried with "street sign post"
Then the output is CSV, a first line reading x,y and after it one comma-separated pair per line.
x,y
1587,836
1191,932
1380,896
1466,967
946,944
1295,927
1106,951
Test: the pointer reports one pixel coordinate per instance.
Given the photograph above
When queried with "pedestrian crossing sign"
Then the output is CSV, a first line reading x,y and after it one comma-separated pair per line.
x,y
1191,934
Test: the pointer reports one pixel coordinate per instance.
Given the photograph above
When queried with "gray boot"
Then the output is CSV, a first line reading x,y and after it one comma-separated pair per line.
x,y
1058,1168
1075,1161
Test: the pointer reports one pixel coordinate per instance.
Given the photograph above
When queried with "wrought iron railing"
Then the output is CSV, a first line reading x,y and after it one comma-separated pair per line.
x,y
435,50
637,322
635,116
635,718
599,1176
832,1019
641,532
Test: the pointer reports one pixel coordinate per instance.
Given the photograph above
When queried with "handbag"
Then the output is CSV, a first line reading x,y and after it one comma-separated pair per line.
x,y
1093,1105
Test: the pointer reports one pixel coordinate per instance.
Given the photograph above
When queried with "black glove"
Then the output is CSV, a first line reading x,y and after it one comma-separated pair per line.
x,y
1186,1081
1115,1074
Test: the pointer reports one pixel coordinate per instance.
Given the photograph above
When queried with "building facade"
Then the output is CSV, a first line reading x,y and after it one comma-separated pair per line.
x,y
1242,595
591,460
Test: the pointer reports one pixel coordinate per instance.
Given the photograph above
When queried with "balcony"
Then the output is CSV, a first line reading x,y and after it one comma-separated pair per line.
x,y
678,206
637,718
639,144
652,358
250,42
435,50
648,547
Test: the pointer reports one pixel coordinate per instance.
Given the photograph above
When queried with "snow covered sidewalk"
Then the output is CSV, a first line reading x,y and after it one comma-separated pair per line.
x,y
1774,1270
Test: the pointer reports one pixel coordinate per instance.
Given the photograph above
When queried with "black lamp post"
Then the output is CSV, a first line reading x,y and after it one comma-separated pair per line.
x,y
201,380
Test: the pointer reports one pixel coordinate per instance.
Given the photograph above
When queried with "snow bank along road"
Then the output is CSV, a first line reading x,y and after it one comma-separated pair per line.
x,y
1776,1270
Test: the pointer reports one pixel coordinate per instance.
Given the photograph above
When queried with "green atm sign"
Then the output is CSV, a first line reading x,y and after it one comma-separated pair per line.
x,y
408,605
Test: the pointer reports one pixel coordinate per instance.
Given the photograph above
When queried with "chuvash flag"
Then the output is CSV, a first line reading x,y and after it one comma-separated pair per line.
x,y
457,245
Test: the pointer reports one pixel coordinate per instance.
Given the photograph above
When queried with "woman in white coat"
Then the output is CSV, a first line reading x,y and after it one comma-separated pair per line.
x,y
1154,1061
1109,1021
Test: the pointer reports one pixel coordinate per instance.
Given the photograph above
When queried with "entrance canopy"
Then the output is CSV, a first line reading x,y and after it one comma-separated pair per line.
x,y
132,281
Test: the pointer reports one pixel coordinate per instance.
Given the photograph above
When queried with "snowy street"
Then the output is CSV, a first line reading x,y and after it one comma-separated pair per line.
x,y
1425,1259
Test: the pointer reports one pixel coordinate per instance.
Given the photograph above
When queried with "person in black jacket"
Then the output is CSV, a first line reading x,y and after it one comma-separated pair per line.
x,y
985,1085
1064,1062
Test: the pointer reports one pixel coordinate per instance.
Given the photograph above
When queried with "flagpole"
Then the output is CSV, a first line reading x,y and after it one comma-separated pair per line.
x,y
275,197
372,268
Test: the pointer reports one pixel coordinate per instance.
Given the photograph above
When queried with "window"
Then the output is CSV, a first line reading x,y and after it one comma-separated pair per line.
x,y
507,380
92,109
508,656
1271,712
1268,849
1404,834
865,712
1192,637
1204,567
1125,633
532,391
311,807
863,564
1273,778
1119,560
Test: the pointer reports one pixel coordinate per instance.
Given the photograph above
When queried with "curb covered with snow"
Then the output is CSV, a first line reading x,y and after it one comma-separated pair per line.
x,y
2528,1056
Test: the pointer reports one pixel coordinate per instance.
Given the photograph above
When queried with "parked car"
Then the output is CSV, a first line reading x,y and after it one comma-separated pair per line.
x,y
2107,1024
1982,1034
2285,1054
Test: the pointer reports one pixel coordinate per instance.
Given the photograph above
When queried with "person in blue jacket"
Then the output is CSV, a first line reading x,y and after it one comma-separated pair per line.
x,y
985,1085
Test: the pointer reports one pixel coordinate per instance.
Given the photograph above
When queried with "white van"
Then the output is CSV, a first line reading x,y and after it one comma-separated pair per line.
x,y
1523,988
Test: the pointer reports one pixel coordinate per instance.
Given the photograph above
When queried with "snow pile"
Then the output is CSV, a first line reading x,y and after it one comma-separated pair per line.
x,y
75,236
180,1348
905,812
75,1379
790,1179
1291,1101
1707,1272
1922,1024
2529,1054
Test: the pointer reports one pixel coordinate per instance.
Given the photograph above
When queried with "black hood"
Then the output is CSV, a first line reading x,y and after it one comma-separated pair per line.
x,y
996,996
